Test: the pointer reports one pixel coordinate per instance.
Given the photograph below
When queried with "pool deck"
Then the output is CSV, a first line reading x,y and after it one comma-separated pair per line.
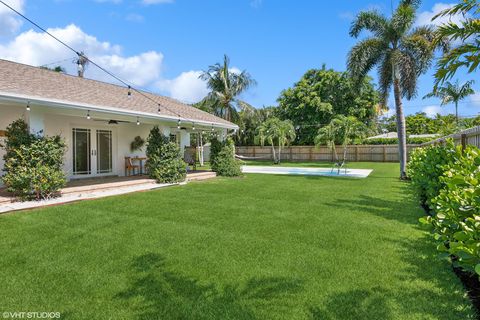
x,y
351,173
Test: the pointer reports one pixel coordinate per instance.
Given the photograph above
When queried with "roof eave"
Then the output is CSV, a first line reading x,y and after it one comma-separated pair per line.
x,y
20,98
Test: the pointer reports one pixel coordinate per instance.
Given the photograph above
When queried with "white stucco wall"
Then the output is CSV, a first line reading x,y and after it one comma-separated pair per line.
x,y
54,121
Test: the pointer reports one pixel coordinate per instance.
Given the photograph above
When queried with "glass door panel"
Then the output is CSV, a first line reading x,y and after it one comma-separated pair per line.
x,y
81,151
104,151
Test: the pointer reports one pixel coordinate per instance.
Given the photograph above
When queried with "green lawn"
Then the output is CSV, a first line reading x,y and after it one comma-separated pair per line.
x,y
259,247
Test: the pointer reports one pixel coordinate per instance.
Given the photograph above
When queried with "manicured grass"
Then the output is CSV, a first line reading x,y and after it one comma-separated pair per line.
x,y
259,247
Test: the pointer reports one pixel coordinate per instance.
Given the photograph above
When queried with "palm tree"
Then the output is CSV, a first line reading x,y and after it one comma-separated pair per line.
x,y
225,85
342,129
401,54
275,130
452,92
467,53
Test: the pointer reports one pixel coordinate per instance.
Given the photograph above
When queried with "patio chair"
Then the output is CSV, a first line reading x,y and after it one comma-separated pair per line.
x,y
190,157
130,167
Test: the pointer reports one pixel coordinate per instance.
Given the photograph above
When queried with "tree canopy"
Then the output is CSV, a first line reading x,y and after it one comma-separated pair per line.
x,y
322,94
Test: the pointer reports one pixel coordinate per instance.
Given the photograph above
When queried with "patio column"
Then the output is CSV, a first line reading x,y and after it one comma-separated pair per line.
x,y
184,140
36,122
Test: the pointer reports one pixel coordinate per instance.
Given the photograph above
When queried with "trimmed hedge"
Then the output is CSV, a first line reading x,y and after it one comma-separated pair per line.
x,y
449,180
33,164
222,159
164,161
377,141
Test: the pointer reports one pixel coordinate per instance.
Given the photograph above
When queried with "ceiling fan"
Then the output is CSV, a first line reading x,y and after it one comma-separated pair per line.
x,y
112,121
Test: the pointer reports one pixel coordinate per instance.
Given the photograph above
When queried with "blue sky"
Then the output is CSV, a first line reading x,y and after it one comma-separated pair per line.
x,y
162,45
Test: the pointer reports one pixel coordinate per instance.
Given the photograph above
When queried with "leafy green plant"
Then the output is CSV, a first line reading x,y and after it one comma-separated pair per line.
x,y
427,165
391,141
456,222
222,158
137,143
33,165
164,163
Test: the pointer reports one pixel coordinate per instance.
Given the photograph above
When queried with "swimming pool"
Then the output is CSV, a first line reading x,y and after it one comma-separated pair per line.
x,y
353,173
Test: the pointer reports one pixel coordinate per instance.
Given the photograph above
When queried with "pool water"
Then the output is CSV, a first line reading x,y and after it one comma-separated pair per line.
x,y
354,173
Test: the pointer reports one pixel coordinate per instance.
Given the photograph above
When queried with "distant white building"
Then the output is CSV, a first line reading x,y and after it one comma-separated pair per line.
x,y
393,135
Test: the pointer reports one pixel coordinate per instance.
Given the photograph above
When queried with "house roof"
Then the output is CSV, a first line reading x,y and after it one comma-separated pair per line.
x,y
24,80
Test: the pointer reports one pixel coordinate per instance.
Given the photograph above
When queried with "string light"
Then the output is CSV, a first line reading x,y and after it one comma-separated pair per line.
x,y
129,91
28,106
88,115
159,109
193,127
138,122
213,129
178,124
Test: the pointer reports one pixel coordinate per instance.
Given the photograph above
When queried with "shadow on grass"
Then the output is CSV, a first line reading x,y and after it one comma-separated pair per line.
x,y
157,293
404,208
427,289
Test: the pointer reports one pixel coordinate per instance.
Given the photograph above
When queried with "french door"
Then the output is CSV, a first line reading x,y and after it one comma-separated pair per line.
x,y
92,151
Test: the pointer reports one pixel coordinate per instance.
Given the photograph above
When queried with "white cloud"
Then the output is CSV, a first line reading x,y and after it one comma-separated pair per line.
x,y
9,21
134,17
425,17
37,49
187,87
149,2
432,111
112,1
256,3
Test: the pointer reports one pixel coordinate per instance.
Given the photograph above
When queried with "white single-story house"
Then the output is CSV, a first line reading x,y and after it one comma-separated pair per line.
x,y
393,135
97,120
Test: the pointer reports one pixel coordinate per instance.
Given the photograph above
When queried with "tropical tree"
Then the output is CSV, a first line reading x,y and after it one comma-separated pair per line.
x,y
401,54
342,130
452,93
320,95
466,32
276,131
248,122
225,85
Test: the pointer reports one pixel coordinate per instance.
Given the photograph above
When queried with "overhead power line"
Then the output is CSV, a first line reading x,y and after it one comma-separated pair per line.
x,y
79,54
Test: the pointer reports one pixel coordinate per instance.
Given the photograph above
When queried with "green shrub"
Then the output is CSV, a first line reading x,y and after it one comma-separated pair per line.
x,y
427,165
222,159
383,141
33,165
164,161
456,222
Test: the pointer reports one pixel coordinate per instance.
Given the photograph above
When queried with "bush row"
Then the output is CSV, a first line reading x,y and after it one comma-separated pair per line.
x,y
377,141
447,179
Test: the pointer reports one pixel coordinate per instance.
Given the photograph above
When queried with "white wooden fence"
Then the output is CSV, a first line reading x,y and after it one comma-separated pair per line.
x,y
466,137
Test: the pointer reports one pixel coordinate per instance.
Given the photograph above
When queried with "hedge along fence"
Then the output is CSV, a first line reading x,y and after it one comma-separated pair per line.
x,y
372,153
466,137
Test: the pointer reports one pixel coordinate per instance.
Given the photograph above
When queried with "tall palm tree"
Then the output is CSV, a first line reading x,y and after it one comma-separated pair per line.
x,y
401,54
225,85
452,92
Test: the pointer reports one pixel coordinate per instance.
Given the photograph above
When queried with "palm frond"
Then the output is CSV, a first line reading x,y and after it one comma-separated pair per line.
x,y
371,21
363,56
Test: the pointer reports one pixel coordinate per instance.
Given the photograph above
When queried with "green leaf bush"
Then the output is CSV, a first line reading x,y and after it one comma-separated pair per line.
x,y
455,202
389,141
33,164
426,166
222,159
164,160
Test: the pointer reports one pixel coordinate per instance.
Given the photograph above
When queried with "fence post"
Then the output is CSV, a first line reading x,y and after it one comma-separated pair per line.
x,y
290,153
463,139
356,153
254,148
384,154
310,153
